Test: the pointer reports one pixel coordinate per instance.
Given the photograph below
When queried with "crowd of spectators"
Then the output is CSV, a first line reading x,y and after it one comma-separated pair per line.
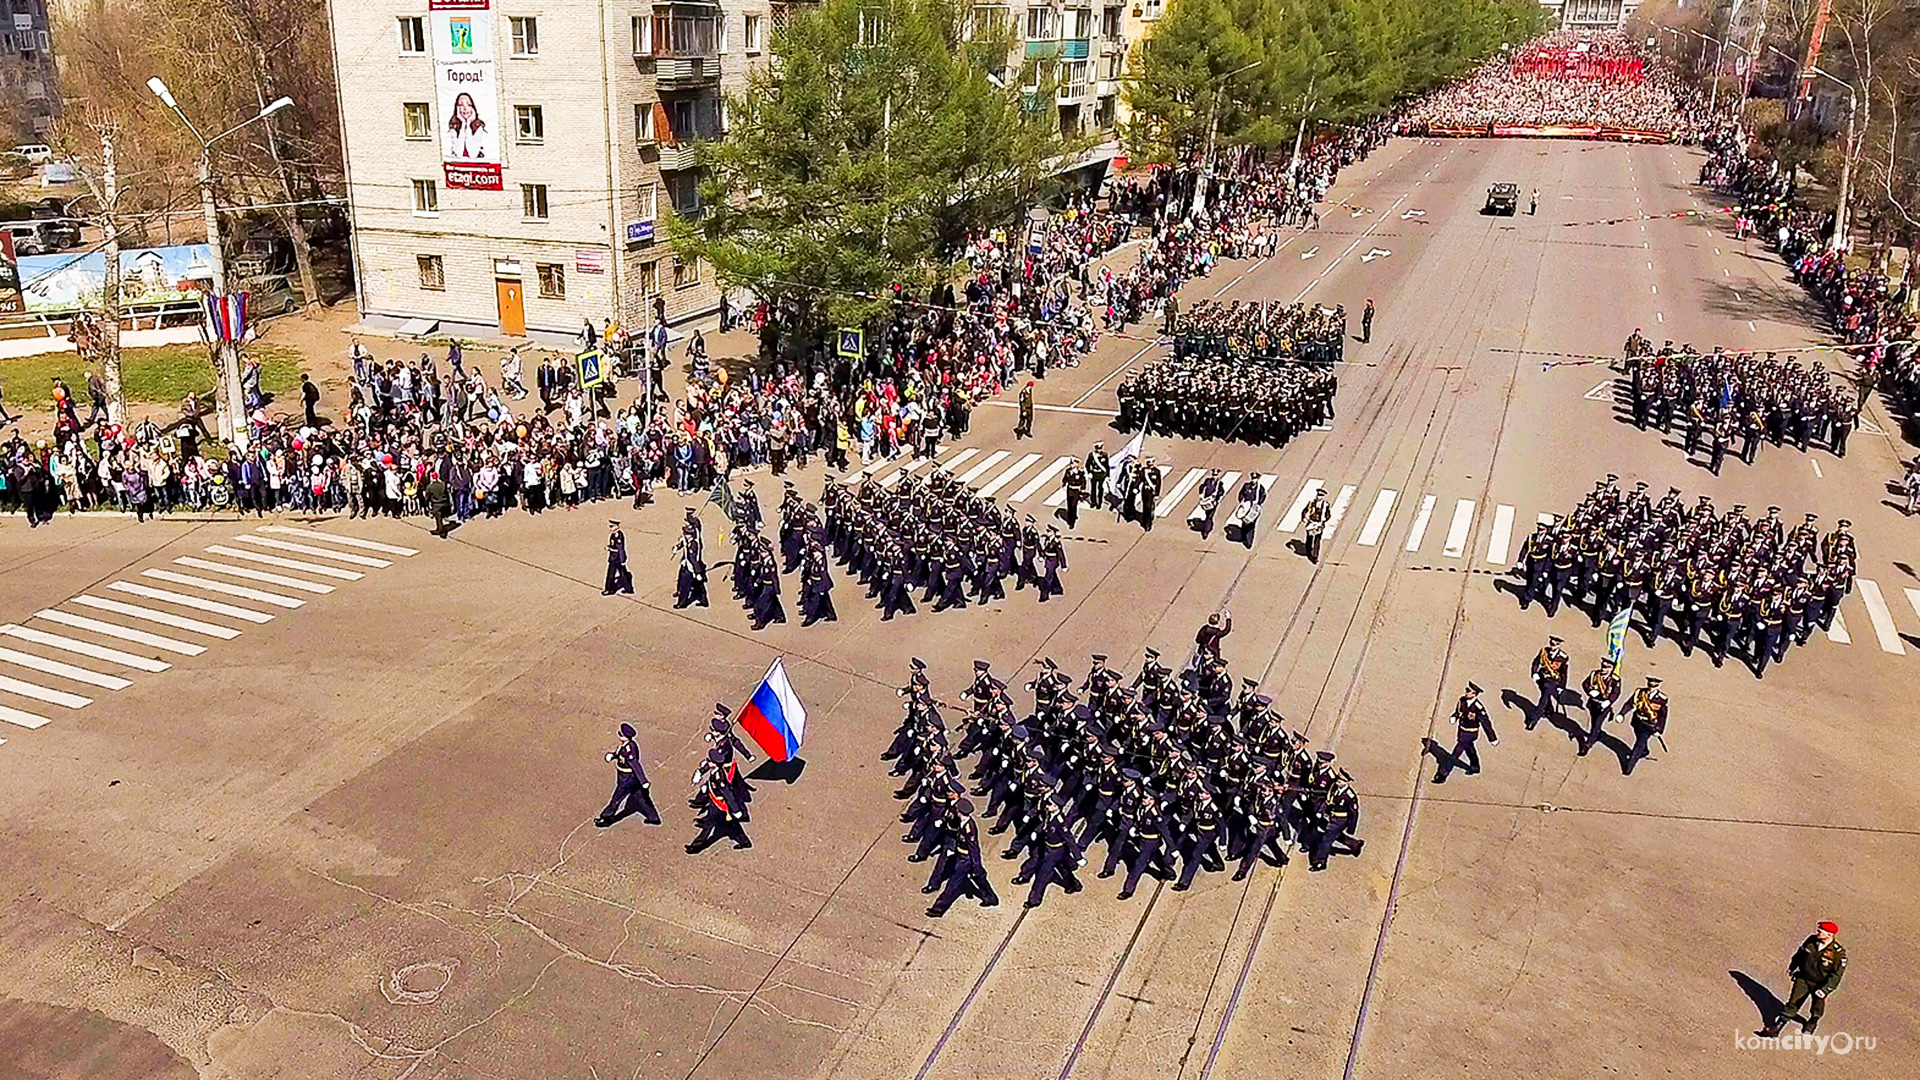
x,y
1560,84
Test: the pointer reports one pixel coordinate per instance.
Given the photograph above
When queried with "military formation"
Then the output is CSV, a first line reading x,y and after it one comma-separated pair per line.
x,y
1260,331
1172,772
1208,399
936,537
1731,582
1731,402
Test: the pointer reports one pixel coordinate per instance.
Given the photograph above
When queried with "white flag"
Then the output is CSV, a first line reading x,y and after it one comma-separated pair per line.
x,y
1135,446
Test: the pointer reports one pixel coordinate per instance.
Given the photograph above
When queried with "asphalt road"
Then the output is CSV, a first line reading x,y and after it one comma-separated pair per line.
x,y
355,840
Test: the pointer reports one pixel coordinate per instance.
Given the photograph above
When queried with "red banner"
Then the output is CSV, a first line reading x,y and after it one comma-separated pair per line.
x,y
477,176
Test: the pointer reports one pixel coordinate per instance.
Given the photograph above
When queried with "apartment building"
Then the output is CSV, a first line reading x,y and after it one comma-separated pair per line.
x,y
512,164
27,93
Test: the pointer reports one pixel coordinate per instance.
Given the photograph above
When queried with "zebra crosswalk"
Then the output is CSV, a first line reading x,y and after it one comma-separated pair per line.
x,y
171,613
1455,529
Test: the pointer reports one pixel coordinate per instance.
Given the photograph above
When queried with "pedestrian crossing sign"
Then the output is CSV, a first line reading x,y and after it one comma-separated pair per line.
x,y
853,342
591,374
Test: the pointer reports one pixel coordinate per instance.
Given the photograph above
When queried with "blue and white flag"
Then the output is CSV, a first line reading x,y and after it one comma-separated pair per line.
x,y
1617,635
1134,448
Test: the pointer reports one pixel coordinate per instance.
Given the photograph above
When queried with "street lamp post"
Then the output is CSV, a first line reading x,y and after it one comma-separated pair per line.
x,y
1306,115
231,403
1213,130
1846,159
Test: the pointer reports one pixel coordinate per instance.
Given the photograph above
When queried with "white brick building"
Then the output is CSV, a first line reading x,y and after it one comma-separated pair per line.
x,y
552,209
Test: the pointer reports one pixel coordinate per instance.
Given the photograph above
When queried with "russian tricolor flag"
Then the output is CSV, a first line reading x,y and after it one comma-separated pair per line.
x,y
774,716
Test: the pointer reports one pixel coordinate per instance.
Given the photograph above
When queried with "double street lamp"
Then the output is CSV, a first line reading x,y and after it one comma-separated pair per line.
x,y
1847,148
231,399
1213,130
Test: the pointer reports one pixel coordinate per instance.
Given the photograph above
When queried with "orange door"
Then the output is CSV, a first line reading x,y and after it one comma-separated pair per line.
x,y
513,311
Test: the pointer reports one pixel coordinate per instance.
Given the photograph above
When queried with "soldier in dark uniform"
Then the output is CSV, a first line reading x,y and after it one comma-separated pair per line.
x,y
1816,970
1053,559
962,869
719,815
630,787
1470,718
1054,858
1647,711
1601,689
1316,516
1075,483
1550,675
816,585
1097,469
618,579
1340,821
692,587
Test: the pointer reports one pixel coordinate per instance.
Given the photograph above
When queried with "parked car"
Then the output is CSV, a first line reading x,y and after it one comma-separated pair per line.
x,y
273,294
34,153
29,239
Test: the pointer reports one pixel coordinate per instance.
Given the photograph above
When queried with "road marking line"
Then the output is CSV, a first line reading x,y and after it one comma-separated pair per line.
x,y
171,597
948,465
1420,519
1913,597
1172,499
901,473
1339,511
163,618
980,468
1837,633
254,575
210,585
1816,469
284,564
1291,519
1752,327
1046,477
1377,519
1655,288
1659,316
22,719
65,671
317,552
1456,545
345,541
1091,390
184,648
1500,544
1026,461
84,648
42,693
1600,392
1880,616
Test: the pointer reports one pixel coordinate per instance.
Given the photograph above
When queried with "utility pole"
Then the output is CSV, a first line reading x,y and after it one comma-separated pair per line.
x,y
1299,134
1846,178
1213,130
110,281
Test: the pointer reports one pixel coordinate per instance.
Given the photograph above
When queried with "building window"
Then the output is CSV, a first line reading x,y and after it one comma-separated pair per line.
x,y
643,35
533,202
553,280
1040,24
526,35
755,27
648,283
426,197
691,119
644,130
873,27
649,202
686,272
683,191
1110,23
531,123
413,35
433,272
419,120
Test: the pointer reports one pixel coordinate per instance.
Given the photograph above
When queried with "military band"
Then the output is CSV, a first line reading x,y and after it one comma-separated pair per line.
x,y
1263,331
1209,399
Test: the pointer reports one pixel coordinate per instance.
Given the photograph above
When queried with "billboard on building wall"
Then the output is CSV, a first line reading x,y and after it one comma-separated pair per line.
x,y
466,92
10,303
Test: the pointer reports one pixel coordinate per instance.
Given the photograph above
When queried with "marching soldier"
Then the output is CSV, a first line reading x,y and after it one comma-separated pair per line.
x,y
962,869
618,579
1601,689
1075,483
1647,711
630,787
1097,470
1550,675
719,815
1340,822
692,587
1470,719
1318,512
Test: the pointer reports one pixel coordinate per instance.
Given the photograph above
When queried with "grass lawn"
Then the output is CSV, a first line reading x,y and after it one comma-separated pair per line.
x,y
165,374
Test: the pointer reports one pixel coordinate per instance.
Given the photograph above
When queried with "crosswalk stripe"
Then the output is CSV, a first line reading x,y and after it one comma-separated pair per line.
x,y
1340,503
1457,531
1377,518
84,648
1548,519
1499,546
1881,618
345,541
1291,520
980,467
902,472
1837,633
65,671
952,463
232,611
41,693
993,488
316,552
210,585
251,574
124,633
1172,499
1420,519
1045,477
1913,597
285,564
22,719
164,618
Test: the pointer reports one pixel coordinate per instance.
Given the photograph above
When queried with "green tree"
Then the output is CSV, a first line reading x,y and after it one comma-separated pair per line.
x,y
881,136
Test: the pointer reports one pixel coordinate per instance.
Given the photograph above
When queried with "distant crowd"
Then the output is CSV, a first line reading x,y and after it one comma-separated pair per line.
x,y
1616,89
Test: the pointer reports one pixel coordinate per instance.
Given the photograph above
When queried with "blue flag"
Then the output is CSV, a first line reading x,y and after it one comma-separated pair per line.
x,y
1617,635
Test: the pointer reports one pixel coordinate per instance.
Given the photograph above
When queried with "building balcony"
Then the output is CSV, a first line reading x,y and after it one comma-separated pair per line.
x,y
1106,88
1112,45
1070,93
670,72
1041,50
1076,48
677,156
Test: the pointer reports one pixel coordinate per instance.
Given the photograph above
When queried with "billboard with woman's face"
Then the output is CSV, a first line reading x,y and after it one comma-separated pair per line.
x,y
464,88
